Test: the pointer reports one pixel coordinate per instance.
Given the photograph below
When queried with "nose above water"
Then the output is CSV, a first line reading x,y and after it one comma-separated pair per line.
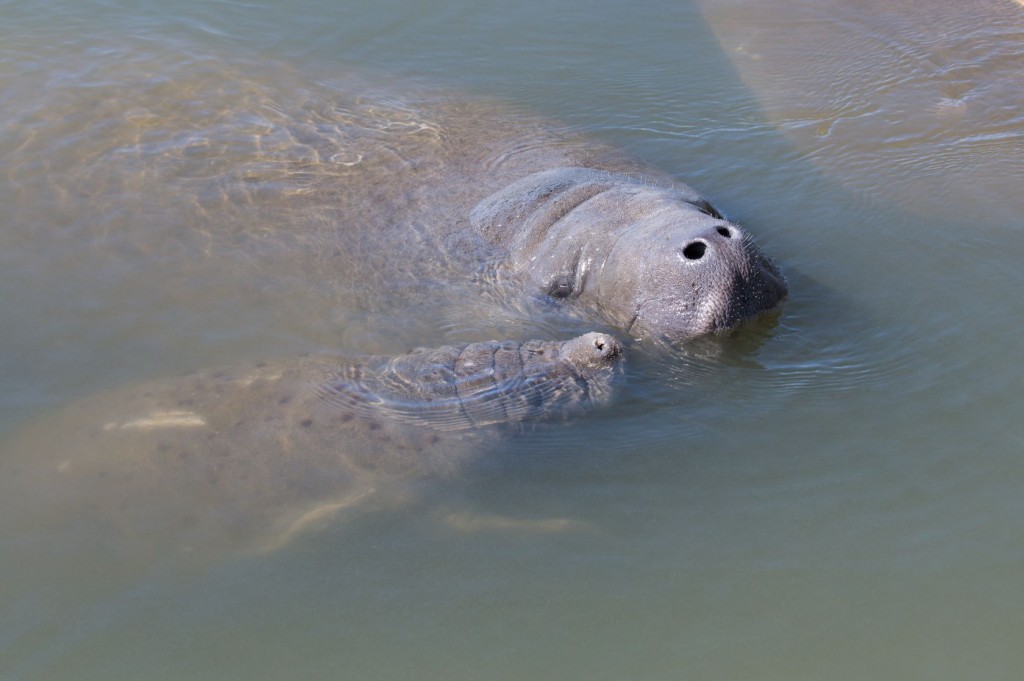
x,y
697,248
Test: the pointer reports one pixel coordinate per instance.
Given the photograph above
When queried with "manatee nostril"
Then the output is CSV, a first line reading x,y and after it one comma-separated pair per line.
x,y
724,231
599,344
694,250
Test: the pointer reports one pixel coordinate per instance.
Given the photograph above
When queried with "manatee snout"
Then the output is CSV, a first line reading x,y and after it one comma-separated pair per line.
x,y
685,273
656,261
597,358
731,281
592,350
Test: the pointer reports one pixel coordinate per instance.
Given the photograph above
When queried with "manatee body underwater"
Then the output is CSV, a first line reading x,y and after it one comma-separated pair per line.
x,y
253,455
386,200
377,200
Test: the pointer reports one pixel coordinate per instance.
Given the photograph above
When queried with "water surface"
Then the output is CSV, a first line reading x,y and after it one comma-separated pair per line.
x,y
832,494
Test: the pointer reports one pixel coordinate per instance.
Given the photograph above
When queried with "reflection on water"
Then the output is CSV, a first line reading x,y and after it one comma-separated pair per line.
x,y
829,493
904,101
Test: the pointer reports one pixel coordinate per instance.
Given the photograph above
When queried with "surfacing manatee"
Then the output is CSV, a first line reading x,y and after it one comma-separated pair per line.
x,y
380,215
648,259
371,200
250,457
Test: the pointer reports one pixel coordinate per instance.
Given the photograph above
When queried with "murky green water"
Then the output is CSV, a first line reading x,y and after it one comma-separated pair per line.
x,y
836,496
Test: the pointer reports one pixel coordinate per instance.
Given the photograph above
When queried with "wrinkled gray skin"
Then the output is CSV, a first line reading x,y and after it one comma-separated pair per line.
x,y
382,201
251,457
392,215
650,260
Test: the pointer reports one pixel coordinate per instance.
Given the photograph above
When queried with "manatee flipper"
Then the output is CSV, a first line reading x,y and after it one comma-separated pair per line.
x,y
318,517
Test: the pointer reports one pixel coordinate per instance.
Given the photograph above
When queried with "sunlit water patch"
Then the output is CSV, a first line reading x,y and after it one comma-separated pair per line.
x,y
915,102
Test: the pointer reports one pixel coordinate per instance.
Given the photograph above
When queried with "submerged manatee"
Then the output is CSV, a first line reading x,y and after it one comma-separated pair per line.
x,y
190,180
202,169
251,457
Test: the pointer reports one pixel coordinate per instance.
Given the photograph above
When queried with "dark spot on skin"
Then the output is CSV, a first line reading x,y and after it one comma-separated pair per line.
x,y
306,423
261,365
186,402
285,400
373,425
345,418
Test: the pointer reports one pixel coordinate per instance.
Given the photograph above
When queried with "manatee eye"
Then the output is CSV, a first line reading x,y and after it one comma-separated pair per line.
x,y
560,287
706,208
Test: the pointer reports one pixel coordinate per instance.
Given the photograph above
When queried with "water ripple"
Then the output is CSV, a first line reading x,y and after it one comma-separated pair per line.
x,y
892,105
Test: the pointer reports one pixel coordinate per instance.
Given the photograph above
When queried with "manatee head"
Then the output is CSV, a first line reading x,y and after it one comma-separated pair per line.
x,y
681,271
655,261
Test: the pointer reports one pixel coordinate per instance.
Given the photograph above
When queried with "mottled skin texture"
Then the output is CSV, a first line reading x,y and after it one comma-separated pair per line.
x,y
254,455
378,201
650,260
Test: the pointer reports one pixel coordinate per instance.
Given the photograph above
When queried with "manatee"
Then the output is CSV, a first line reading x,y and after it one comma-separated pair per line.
x,y
914,103
251,456
359,200
380,213
650,260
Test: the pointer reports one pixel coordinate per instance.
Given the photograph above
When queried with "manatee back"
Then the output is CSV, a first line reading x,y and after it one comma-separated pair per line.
x,y
234,164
